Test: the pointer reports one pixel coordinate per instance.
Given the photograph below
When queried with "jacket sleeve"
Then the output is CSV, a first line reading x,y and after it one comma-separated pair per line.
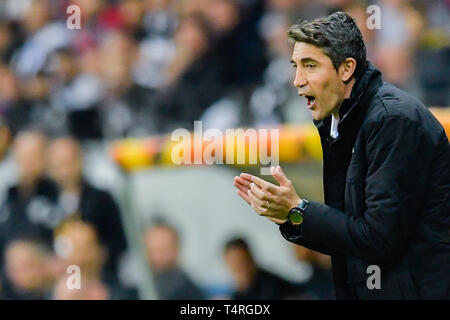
x,y
294,235
398,156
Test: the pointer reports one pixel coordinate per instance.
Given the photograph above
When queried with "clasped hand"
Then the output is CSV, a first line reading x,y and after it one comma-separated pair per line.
x,y
267,199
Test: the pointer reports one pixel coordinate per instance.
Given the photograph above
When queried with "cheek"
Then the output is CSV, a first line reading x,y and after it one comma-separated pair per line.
x,y
329,93
327,88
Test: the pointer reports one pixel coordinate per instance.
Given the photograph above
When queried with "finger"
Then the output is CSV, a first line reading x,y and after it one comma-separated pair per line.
x,y
279,175
258,192
275,208
264,202
242,188
246,176
242,181
267,186
260,203
261,211
246,179
241,184
244,196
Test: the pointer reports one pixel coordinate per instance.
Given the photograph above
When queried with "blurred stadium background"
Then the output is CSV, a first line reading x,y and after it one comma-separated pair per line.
x,y
86,115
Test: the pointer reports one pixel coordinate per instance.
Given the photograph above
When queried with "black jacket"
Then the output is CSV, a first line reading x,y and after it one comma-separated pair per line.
x,y
386,187
26,217
99,208
266,286
175,284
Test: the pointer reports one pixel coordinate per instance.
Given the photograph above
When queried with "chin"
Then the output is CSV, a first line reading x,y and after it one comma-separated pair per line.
x,y
317,115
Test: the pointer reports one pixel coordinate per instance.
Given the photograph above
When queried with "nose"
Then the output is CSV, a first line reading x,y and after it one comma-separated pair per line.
x,y
300,80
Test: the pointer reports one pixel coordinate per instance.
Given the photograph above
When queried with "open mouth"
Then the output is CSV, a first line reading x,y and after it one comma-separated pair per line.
x,y
309,98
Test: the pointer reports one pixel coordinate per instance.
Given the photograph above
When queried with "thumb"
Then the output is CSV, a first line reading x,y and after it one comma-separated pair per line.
x,y
279,175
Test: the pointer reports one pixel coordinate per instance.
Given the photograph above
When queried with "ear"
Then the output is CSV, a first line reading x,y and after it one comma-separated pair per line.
x,y
347,69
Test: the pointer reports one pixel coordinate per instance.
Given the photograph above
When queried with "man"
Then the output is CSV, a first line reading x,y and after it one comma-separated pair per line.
x,y
78,198
318,284
80,244
162,246
28,276
251,281
386,173
29,208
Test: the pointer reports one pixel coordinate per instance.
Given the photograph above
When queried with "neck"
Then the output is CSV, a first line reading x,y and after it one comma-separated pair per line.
x,y
72,186
27,183
347,93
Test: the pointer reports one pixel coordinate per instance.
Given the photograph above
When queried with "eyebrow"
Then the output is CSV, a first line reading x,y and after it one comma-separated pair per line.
x,y
303,60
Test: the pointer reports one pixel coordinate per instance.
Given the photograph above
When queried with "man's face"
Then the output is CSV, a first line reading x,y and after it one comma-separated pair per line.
x,y
25,266
317,80
162,248
29,151
64,162
241,266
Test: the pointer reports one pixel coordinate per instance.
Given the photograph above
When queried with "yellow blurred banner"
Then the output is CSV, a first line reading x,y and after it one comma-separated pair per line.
x,y
296,144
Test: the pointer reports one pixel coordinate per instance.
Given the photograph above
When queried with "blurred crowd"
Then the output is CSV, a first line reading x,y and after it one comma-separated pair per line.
x,y
145,67
53,219
141,67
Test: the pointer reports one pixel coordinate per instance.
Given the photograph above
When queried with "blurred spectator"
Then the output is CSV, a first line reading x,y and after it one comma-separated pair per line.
x,y
319,285
14,9
435,46
97,19
13,106
31,205
195,77
160,18
270,100
132,15
5,138
218,50
157,48
77,93
28,275
251,281
396,40
77,243
172,283
127,108
92,289
9,40
238,44
25,104
42,37
79,199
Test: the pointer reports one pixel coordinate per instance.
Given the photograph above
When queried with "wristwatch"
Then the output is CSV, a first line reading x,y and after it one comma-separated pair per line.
x,y
297,213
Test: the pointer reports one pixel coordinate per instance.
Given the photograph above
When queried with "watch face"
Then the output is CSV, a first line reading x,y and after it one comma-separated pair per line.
x,y
296,217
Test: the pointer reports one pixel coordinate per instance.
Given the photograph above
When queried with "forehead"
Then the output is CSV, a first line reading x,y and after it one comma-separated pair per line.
x,y
303,50
161,234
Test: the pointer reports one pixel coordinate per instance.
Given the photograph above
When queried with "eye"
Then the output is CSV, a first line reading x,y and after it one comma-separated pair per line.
x,y
294,66
310,66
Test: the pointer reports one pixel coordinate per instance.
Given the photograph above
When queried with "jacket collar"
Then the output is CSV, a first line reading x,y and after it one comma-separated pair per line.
x,y
364,88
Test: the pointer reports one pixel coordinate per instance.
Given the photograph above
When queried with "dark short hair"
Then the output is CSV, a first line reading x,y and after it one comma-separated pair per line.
x,y
159,222
236,242
337,35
